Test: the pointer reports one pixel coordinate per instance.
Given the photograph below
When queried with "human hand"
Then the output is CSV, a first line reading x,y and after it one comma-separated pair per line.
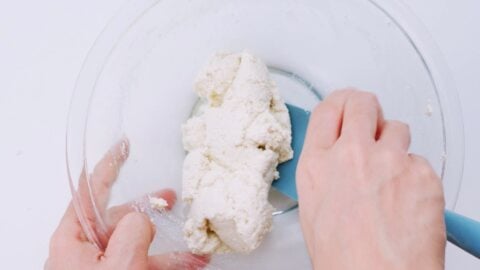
x,y
127,236
365,202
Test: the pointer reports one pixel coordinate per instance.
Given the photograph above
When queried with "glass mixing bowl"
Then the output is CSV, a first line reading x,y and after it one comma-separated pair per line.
x,y
137,82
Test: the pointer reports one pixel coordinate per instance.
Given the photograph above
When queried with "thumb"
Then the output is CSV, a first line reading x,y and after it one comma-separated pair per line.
x,y
130,240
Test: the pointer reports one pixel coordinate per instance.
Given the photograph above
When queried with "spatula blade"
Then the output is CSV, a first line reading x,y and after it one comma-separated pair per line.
x,y
286,183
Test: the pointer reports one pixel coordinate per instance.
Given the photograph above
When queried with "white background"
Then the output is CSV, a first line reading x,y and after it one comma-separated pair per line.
x,y
42,46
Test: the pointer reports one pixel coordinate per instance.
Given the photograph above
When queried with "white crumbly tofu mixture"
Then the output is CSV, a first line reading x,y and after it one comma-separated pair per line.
x,y
235,142
158,203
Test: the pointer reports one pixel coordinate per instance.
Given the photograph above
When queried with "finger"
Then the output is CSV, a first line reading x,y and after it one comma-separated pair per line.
x,y
116,213
178,261
69,231
326,120
395,134
70,236
106,172
131,239
362,116
93,192
70,226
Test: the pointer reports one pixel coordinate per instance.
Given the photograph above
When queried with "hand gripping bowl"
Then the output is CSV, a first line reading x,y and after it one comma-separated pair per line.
x,y
137,82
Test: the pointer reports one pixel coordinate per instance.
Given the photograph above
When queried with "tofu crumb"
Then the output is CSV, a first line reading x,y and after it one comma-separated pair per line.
x,y
429,108
158,203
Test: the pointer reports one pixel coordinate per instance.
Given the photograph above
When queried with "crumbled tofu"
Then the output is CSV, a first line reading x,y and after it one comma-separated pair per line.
x,y
158,203
234,147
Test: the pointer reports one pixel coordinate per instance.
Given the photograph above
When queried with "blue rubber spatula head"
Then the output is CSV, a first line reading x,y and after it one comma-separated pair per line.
x,y
461,231
286,183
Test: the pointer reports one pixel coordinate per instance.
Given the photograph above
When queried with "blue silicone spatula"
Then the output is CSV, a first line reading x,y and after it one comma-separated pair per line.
x,y
461,231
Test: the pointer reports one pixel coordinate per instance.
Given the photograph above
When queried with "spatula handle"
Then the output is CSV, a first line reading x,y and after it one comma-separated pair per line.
x,y
463,232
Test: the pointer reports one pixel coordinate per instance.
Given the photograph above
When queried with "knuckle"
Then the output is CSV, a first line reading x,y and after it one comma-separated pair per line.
x,y
325,109
400,125
136,218
398,131
424,169
367,97
344,91
339,95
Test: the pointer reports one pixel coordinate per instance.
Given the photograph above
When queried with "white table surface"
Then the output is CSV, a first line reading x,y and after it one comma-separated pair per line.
x,y
42,46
